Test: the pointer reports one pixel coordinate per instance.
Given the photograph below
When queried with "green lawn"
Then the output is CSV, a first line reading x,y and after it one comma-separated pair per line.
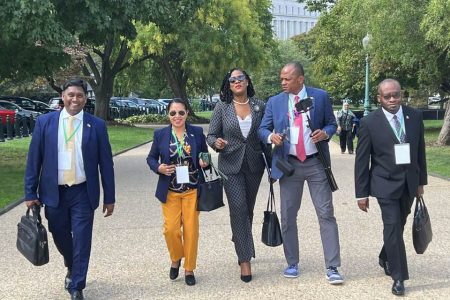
x,y
13,157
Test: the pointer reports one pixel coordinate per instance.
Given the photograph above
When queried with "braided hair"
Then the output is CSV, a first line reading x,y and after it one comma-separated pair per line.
x,y
226,95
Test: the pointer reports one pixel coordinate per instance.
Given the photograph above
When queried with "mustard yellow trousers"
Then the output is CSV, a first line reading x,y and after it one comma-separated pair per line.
x,y
181,227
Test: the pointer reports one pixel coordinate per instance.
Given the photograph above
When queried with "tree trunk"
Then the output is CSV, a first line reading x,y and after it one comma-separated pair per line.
x,y
177,82
103,94
444,135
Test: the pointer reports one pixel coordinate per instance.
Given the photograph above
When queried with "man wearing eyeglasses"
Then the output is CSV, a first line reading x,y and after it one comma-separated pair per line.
x,y
390,165
67,151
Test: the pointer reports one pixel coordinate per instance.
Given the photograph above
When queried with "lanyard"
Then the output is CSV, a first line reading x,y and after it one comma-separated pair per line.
x,y
179,144
67,139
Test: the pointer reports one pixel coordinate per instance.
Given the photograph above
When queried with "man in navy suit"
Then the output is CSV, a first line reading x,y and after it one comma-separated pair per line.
x,y
67,151
390,165
299,150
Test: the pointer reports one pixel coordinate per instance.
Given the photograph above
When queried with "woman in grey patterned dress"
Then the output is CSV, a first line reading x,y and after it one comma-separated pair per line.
x,y
233,133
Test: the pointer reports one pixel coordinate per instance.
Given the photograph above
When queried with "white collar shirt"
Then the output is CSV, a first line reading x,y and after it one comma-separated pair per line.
x,y
80,175
390,118
310,147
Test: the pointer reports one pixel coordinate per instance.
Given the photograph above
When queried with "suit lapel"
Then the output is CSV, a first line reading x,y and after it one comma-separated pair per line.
x,y
192,142
87,128
233,119
409,124
284,108
384,125
255,111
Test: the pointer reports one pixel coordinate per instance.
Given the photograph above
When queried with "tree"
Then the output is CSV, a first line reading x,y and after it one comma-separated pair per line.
x,y
267,80
102,28
318,5
221,35
436,23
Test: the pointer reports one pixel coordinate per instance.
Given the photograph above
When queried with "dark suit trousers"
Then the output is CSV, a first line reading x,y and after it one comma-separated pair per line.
x,y
394,213
346,139
71,226
241,190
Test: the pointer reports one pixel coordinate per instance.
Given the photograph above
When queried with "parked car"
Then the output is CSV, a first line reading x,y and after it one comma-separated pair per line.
x,y
7,112
56,103
19,110
27,104
155,106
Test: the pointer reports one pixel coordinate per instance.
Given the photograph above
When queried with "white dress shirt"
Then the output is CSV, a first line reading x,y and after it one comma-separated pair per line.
x,y
80,175
390,118
310,147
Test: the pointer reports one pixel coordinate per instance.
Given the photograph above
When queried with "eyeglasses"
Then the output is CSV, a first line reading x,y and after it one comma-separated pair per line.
x,y
236,78
388,97
181,113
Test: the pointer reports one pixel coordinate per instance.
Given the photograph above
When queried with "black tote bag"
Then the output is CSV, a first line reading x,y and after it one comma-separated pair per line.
x,y
210,192
271,231
421,228
32,237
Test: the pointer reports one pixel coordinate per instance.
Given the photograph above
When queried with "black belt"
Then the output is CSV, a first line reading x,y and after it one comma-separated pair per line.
x,y
65,186
307,156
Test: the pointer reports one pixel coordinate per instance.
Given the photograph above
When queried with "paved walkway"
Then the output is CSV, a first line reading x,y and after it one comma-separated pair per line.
x,y
130,261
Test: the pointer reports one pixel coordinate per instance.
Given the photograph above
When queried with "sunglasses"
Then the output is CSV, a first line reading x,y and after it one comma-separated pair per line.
x,y
236,78
395,95
181,113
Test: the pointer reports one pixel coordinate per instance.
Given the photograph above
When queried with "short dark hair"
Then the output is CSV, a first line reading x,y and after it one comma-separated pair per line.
x,y
297,66
387,80
226,95
177,100
75,82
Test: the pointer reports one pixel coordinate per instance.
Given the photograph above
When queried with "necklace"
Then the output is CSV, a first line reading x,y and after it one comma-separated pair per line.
x,y
241,103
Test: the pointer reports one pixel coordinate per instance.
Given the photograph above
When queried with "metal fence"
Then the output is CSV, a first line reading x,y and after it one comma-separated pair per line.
x,y
16,128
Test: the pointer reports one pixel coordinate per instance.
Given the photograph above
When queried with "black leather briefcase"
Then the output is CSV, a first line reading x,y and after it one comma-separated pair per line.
x,y
32,237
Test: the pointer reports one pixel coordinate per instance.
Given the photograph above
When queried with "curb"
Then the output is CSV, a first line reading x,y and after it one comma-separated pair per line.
x,y
19,201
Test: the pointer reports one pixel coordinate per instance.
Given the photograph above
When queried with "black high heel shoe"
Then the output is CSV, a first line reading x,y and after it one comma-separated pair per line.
x,y
173,274
246,278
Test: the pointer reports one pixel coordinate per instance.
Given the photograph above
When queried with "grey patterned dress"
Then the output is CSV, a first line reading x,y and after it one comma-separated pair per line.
x,y
241,160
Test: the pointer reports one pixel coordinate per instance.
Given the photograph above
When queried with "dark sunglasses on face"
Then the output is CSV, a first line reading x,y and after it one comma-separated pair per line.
x,y
236,78
395,95
180,113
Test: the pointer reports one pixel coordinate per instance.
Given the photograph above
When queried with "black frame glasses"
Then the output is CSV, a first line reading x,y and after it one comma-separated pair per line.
x,y
395,95
239,78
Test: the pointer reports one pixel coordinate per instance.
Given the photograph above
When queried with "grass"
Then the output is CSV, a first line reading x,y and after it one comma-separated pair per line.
x,y
13,158
204,114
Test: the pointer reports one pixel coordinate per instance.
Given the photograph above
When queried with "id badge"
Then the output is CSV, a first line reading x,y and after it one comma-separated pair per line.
x,y
182,173
293,135
64,160
402,154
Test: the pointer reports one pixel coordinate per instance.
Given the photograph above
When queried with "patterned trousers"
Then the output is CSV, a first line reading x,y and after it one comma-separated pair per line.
x,y
241,190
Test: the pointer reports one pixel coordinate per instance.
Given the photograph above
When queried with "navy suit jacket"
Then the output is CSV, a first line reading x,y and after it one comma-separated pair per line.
x,y
276,119
41,175
376,173
159,154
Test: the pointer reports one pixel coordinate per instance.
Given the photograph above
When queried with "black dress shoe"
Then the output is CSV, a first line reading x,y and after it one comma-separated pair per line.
x,y
68,279
398,288
246,278
385,265
77,295
173,274
189,279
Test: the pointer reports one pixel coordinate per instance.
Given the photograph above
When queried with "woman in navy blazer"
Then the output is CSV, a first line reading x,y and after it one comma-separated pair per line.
x,y
174,157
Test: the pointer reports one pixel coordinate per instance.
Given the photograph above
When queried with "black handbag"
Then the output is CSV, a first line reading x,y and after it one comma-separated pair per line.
x,y
210,191
421,228
32,237
271,231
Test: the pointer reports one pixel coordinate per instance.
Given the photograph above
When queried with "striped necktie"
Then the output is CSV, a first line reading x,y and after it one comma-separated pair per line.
x,y
399,130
